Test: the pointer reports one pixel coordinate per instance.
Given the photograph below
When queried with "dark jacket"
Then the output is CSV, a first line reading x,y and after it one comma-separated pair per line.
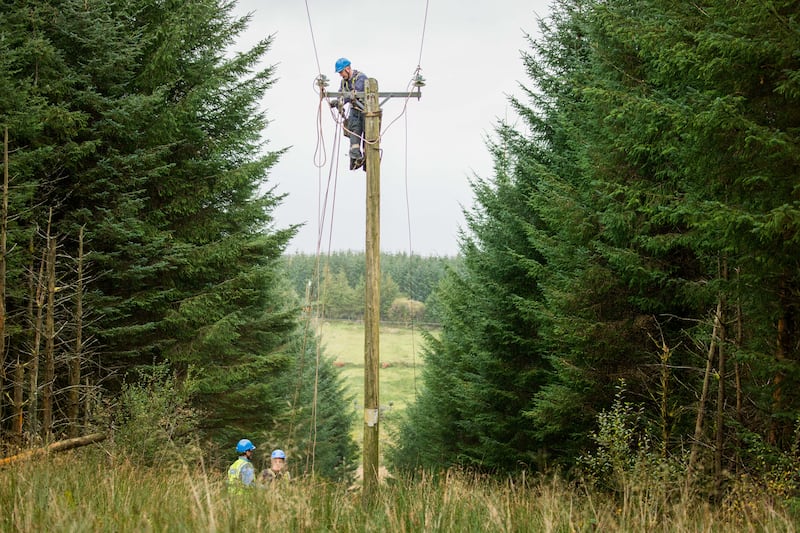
x,y
357,83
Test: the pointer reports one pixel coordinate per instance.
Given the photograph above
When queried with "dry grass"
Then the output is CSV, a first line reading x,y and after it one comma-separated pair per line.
x,y
86,491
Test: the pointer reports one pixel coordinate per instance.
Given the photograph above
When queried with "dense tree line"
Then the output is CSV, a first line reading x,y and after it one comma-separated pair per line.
x,y
336,281
640,231
139,230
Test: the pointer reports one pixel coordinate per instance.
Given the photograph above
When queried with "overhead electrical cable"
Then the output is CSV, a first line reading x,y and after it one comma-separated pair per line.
x,y
313,40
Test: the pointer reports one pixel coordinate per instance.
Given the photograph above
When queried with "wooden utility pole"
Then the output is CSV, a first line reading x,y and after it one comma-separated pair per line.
x,y
372,309
372,289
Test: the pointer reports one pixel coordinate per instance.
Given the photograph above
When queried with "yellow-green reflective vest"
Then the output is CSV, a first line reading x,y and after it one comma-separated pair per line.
x,y
235,484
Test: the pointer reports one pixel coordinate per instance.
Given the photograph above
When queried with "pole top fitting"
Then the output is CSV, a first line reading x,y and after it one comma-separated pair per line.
x,y
322,81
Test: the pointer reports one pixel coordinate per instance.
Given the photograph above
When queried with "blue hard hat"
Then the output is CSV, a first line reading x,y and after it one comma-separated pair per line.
x,y
278,454
341,64
244,445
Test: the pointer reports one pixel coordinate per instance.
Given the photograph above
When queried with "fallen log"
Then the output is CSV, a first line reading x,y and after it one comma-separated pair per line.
x,y
58,446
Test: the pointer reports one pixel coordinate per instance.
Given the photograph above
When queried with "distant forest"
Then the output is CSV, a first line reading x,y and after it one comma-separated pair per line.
x,y
334,283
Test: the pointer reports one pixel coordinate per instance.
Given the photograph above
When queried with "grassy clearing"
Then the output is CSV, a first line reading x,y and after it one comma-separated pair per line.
x,y
90,491
401,362
399,376
345,341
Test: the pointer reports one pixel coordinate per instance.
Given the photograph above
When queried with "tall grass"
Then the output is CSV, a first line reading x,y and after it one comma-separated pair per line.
x,y
87,491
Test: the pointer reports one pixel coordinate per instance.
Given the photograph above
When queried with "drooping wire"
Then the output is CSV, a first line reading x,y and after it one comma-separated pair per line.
x,y
320,160
320,153
408,201
410,260
320,288
333,177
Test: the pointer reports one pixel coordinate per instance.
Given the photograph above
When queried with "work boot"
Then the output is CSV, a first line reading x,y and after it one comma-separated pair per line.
x,y
355,164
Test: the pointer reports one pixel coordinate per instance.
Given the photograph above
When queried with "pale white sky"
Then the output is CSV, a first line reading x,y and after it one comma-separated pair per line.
x,y
471,63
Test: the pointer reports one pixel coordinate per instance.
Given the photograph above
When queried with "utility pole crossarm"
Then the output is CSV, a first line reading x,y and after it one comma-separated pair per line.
x,y
412,94
419,83
385,96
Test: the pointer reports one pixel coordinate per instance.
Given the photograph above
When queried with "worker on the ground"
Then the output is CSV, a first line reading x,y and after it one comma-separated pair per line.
x,y
353,81
241,474
277,468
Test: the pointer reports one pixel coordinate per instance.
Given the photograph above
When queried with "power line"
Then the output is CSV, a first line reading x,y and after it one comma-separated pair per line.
x,y
422,40
410,260
313,40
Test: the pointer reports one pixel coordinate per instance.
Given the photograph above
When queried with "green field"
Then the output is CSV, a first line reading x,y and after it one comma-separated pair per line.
x,y
399,375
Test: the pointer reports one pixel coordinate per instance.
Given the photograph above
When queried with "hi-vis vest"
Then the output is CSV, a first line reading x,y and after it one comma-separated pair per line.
x,y
235,484
350,85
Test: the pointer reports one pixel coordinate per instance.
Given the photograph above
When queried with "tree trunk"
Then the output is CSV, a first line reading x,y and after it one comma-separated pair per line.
x,y
782,342
698,425
73,402
60,446
87,401
19,373
3,246
33,392
666,353
737,375
737,372
50,336
19,406
720,422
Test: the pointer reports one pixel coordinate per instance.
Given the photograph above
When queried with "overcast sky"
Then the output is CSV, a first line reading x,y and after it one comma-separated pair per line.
x,y
471,63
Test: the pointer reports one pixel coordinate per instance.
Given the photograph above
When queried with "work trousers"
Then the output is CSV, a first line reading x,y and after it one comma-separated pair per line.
x,y
355,125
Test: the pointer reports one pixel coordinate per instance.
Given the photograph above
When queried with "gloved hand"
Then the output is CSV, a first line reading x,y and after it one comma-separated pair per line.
x,y
334,103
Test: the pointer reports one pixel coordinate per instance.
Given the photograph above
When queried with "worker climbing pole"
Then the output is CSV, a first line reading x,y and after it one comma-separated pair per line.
x,y
368,104
353,81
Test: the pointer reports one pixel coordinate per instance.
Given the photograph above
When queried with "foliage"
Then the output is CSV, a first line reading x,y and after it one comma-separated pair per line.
x,y
651,182
315,431
624,457
155,420
768,469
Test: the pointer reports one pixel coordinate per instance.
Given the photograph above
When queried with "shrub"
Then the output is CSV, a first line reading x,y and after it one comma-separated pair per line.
x,y
624,458
770,472
405,310
154,418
